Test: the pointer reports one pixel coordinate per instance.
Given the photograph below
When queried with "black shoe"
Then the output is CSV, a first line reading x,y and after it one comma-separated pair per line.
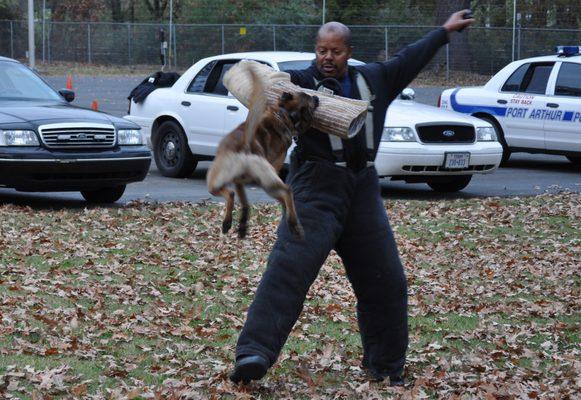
x,y
396,381
380,376
249,368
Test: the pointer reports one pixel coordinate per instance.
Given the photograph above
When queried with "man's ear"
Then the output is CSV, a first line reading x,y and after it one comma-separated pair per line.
x,y
350,51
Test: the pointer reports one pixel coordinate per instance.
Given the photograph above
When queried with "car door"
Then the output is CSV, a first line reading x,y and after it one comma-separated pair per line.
x,y
525,96
236,112
563,129
207,102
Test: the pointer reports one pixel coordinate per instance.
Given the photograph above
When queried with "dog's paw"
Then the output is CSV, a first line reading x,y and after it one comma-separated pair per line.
x,y
226,225
297,230
242,229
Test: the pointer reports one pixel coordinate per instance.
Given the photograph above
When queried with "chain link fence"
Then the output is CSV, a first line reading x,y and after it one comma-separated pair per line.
x,y
477,50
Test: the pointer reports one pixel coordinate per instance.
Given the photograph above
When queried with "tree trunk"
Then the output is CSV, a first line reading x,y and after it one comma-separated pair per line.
x,y
497,13
156,8
117,14
567,15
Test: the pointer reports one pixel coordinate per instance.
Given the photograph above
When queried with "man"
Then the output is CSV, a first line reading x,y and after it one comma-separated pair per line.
x,y
337,195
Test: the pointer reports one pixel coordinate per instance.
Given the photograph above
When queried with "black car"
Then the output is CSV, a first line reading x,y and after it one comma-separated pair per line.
x,y
46,144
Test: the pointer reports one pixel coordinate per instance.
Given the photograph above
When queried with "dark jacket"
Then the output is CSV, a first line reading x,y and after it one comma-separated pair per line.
x,y
152,82
385,80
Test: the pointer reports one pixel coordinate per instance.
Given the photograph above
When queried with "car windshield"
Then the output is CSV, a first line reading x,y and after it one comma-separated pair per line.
x,y
17,82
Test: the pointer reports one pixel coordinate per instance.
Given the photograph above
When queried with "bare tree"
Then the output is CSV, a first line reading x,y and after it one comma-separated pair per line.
x,y
156,8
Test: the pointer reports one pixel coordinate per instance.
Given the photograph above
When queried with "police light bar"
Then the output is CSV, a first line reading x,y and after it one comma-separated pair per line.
x,y
568,51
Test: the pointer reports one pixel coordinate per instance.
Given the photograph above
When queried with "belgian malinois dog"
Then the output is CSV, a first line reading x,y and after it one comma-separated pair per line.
x,y
254,153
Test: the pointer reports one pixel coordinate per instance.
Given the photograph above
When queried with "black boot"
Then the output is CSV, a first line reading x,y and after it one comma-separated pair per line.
x,y
249,368
379,376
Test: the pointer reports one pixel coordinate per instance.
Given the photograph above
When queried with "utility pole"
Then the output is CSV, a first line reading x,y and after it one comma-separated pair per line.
x,y
513,26
31,49
43,34
170,53
324,9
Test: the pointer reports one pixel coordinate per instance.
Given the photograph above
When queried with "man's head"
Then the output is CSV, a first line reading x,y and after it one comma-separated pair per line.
x,y
333,49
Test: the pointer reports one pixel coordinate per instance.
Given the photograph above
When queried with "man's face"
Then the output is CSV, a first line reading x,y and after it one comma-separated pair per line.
x,y
332,55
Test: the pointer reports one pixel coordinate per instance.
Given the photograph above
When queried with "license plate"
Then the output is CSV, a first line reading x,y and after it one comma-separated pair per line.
x,y
457,160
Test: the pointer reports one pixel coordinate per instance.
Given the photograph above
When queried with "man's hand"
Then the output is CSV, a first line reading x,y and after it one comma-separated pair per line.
x,y
456,22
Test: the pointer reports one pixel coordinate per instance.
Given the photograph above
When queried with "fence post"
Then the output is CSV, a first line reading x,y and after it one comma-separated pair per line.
x,y
89,58
11,39
386,44
128,43
175,47
447,62
222,39
274,37
518,48
49,31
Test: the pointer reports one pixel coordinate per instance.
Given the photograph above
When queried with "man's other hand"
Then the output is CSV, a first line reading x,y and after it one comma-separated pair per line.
x,y
456,22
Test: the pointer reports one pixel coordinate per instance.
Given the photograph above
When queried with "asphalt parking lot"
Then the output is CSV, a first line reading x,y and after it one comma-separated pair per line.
x,y
524,175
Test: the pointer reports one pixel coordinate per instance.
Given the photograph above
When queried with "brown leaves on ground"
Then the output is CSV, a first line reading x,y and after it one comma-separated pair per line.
x,y
146,301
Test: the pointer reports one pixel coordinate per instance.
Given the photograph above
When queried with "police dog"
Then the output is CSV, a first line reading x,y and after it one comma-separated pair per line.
x,y
254,152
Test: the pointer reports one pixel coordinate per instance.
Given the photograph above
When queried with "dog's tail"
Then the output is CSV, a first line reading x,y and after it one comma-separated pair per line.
x,y
256,107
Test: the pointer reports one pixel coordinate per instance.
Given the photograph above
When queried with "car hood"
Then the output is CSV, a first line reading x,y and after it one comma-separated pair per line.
x,y
39,113
409,113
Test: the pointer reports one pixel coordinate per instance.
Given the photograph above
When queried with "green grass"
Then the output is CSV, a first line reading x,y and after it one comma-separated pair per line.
x,y
492,281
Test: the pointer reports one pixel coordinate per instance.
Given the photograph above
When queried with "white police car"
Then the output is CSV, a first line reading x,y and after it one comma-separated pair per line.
x,y
534,104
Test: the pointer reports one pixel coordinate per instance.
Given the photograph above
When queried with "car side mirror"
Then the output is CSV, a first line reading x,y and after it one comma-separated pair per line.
x,y
67,94
407,94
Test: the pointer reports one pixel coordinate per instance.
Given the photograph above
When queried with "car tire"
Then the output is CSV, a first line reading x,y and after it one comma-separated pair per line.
x,y
171,152
574,160
450,184
500,135
104,195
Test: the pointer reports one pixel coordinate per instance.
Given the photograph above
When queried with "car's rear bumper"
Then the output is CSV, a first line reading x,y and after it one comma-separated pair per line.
x,y
37,169
401,159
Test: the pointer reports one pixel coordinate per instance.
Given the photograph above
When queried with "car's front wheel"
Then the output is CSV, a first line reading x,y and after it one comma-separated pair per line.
x,y
104,195
171,152
453,183
574,160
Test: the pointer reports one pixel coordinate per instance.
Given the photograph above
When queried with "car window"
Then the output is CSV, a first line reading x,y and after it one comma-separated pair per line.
x,y
529,78
292,65
304,64
513,83
569,80
215,84
210,78
17,82
536,78
199,82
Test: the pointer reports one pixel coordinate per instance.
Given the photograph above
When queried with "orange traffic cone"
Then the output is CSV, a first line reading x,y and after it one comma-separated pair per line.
x,y
95,105
69,82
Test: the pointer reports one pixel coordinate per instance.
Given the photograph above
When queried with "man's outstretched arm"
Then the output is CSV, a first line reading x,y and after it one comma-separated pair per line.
x,y
405,65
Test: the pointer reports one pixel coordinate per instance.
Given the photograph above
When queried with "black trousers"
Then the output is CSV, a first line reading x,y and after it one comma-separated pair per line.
x,y
342,210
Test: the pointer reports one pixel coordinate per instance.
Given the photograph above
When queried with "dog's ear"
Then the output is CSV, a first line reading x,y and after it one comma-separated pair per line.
x,y
286,96
316,101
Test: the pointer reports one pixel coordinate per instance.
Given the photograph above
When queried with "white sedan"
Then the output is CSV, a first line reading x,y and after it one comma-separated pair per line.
x,y
534,104
184,124
422,143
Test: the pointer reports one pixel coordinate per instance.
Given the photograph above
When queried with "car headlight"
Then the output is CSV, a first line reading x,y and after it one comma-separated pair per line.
x,y
398,135
129,137
15,137
485,134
